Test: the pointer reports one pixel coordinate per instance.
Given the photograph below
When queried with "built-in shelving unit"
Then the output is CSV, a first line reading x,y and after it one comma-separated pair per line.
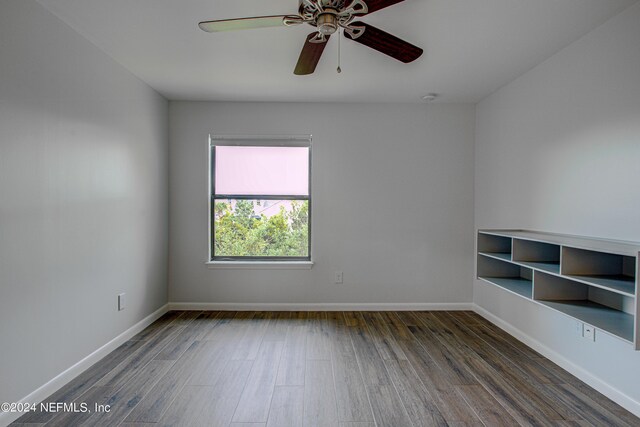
x,y
592,280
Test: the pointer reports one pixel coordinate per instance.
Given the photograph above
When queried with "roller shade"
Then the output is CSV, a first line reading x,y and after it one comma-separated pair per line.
x,y
269,171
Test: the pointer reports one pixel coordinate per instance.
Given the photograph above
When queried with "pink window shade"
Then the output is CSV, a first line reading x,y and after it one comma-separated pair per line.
x,y
269,171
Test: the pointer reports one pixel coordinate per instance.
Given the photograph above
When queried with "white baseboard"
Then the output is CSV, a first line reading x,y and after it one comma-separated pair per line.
x,y
319,306
612,393
72,372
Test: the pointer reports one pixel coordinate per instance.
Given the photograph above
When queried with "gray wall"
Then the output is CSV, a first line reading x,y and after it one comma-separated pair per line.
x,y
83,198
392,203
558,150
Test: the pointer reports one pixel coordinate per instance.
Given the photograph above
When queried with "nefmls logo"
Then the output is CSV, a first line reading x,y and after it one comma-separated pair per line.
x,y
64,407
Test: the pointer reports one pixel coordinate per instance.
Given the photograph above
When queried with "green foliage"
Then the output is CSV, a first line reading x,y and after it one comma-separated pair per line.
x,y
239,231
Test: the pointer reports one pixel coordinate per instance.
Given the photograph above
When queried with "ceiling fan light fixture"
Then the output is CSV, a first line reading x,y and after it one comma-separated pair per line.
x,y
327,23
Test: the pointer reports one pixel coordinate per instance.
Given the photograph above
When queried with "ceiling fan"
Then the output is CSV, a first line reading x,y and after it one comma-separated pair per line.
x,y
327,16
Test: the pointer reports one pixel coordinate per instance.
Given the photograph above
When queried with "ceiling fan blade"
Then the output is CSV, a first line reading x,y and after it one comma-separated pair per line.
x,y
374,5
310,55
250,23
386,43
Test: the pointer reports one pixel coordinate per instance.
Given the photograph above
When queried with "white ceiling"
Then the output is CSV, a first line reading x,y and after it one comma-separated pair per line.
x,y
472,47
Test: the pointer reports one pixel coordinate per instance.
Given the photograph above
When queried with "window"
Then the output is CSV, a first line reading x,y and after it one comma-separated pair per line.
x,y
260,198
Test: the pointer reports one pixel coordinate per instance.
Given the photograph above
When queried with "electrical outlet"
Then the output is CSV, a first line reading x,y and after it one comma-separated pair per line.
x,y
589,332
338,277
121,302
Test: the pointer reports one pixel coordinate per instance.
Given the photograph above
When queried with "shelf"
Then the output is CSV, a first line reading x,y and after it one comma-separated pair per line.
x,y
489,243
624,285
615,322
498,255
591,243
608,271
537,255
517,285
544,266
506,274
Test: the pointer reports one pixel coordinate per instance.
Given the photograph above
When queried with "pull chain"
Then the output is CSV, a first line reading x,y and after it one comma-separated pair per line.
x,y
339,70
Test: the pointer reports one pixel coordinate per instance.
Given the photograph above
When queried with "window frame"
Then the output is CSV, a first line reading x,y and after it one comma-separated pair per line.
x,y
256,141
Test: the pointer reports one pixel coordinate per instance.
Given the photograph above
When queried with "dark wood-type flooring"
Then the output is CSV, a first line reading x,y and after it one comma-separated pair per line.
x,y
344,369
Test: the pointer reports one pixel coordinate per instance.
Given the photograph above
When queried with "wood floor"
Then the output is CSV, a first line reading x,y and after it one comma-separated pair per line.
x,y
344,369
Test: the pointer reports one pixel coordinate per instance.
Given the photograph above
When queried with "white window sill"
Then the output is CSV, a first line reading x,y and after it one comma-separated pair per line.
x,y
260,265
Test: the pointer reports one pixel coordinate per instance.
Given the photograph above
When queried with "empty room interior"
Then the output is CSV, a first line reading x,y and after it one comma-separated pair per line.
x,y
349,213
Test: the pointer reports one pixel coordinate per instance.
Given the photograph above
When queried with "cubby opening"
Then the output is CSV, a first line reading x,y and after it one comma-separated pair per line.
x,y
511,277
608,271
606,310
496,246
540,255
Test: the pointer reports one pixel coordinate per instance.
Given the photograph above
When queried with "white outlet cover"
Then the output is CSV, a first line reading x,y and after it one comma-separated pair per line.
x,y
121,302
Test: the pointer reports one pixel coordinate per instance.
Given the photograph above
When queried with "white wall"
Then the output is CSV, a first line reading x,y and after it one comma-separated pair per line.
x,y
392,203
83,198
558,150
